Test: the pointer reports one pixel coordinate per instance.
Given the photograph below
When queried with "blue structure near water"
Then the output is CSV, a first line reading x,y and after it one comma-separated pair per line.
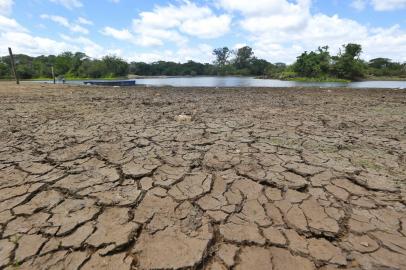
x,y
111,83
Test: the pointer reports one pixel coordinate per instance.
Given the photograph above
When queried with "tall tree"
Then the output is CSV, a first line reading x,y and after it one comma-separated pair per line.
x,y
63,63
115,66
243,57
259,67
347,64
313,64
222,56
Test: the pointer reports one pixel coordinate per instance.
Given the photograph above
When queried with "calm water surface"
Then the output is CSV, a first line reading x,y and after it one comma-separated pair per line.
x,y
252,82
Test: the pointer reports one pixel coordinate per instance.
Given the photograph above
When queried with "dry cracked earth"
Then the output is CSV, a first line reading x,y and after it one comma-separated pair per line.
x,y
112,178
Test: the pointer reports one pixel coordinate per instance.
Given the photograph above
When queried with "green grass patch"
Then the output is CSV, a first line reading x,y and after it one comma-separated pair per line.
x,y
77,79
328,79
384,78
367,164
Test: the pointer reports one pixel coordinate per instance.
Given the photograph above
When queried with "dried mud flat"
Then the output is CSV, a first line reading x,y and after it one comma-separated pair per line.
x,y
111,178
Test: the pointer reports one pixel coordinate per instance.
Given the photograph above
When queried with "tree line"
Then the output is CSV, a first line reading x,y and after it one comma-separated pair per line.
x,y
67,64
317,65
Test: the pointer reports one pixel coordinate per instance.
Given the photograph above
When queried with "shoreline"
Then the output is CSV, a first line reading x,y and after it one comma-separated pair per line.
x,y
310,80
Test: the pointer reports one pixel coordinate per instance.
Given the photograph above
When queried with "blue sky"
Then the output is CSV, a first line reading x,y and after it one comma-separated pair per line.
x,y
181,30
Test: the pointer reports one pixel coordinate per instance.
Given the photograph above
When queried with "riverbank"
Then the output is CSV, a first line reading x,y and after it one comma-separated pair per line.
x,y
332,80
385,78
298,79
204,178
249,82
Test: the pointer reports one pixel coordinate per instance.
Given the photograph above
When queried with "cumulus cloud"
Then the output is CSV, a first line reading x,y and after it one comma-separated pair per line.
x,y
333,31
14,35
358,4
69,4
203,27
32,45
279,30
123,34
6,7
264,7
87,46
379,5
85,21
385,5
8,24
199,53
274,14
65,22
173,23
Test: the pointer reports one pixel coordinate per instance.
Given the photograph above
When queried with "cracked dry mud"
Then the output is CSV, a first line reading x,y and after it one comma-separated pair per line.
x,y
103,178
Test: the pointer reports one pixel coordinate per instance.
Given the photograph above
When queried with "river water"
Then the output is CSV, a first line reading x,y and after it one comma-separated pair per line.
x,y
253,82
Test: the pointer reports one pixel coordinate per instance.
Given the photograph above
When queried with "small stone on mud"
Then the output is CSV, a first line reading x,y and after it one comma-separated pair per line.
x,y
183,118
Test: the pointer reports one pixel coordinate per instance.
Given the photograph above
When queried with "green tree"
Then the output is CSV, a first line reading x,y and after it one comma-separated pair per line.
x,y
259,67
222,56
93,69
313,64
5,71
77,60
347,64
193,68
243,57
140,68
380,63
114,66
63,63
385,67
41,67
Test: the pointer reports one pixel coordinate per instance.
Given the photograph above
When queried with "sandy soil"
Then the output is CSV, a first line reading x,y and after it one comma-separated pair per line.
x,y
111,178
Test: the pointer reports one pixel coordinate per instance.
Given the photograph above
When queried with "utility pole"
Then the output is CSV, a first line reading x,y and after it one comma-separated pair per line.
x,y
13,66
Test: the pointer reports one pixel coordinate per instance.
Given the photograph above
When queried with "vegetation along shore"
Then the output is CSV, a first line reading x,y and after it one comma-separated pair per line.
x,y
314,66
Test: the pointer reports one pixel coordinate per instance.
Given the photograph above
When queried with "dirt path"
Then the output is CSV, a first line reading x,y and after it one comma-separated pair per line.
x,y
103,178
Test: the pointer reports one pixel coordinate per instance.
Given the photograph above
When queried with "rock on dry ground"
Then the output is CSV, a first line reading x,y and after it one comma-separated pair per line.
x,y
284,179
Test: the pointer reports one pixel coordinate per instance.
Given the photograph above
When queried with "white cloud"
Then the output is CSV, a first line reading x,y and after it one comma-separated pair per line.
x,y
26,43
144,37
379,5
6,7
199,53
266,14
85,21
157,37
86,45
334,31
358,4
168,23
203,28
123,34
69,4
13,35
32,45
385,5
58,19
279,30
65,22
7,24
265,7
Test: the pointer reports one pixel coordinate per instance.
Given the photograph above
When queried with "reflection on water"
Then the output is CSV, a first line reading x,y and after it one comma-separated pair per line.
x,y
252,82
